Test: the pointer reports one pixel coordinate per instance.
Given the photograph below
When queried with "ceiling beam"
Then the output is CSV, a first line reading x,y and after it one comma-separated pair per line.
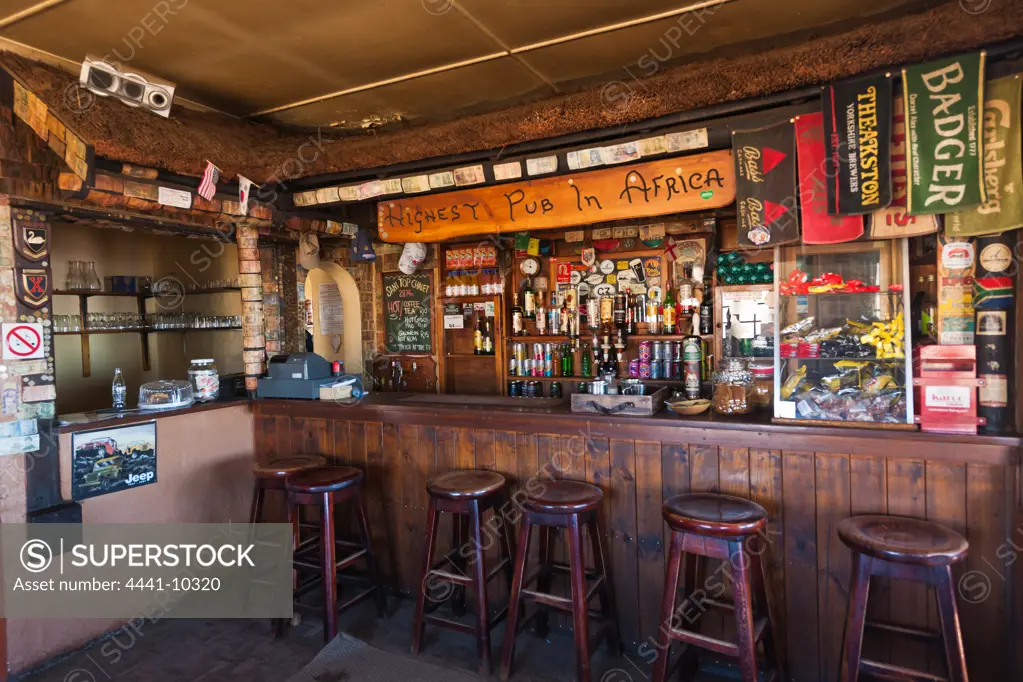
x,y
505,52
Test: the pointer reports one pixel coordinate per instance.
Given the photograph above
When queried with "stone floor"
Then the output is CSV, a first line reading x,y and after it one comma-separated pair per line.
x,y
242,651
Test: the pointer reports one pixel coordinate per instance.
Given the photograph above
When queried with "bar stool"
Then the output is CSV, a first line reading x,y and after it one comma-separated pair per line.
x,y
563,504
720,527
271,475
906,549
326,487
467,495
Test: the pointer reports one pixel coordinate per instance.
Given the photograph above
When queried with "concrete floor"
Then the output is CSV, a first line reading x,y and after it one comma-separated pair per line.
x,y
242,651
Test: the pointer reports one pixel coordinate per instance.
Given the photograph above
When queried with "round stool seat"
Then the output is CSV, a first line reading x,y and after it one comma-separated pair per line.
x,y
564,497
323,479
466,484
715,515
279,468
903,540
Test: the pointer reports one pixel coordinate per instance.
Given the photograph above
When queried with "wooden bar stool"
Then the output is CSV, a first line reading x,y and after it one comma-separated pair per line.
x,y
907,549
467,495
563,504
326,487
721,527
271,475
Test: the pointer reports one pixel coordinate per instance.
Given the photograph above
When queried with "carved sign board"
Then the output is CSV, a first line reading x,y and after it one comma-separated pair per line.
x,y
689,183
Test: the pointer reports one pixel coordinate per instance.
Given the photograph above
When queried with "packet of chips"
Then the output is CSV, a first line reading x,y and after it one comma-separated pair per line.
x,y
793,382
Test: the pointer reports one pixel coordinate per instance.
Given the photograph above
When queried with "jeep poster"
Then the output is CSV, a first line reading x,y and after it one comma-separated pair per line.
x,y
108,460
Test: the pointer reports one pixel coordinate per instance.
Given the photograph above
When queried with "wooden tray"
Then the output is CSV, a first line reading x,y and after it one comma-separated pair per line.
x,y
635,405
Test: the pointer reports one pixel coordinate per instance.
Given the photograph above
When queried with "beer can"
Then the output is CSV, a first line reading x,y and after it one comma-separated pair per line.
x,y
676,351
515,388
548,359
657,369
644,369
555,389
644,350
583,387
513,367
658,350
672,371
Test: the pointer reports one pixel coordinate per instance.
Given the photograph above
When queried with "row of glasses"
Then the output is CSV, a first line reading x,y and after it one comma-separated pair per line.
x,y
194,321
227,283
67,323
115,321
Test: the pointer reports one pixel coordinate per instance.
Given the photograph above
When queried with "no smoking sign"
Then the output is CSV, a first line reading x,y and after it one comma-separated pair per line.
x,y
22,340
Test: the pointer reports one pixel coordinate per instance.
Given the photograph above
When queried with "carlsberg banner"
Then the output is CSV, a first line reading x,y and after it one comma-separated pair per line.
x,y
1003,170
943,127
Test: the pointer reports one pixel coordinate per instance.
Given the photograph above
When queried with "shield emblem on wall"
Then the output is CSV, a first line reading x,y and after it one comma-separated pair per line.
x,y
33,285
31,237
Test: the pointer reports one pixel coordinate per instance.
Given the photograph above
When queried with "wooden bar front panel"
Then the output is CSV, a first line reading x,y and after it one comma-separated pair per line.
x,y
806,494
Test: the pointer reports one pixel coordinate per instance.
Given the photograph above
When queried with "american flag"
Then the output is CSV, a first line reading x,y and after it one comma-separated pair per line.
x,y
208,185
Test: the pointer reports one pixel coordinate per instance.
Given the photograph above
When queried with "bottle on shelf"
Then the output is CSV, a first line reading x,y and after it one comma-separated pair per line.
x,y
516,316
488,339
563,317
669,309
477,338
541,315
553,315
929,310
592,311
586,362
529,301
118,390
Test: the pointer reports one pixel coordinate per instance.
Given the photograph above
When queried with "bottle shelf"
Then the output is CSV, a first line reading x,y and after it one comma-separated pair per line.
x,y
89,293
470,356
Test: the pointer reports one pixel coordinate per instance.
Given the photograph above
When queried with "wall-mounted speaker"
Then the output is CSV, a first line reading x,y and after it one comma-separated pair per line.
x,y
134,88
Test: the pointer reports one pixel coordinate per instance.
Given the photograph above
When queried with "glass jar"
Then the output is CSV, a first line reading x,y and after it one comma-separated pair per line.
x,y
763,385
92,282
205,379
74,281
733,388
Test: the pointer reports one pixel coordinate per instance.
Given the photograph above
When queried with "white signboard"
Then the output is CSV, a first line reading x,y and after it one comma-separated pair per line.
x,y
331,320
22,340
174,197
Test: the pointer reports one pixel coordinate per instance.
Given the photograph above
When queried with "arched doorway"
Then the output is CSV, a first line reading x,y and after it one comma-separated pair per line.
x,y
322,287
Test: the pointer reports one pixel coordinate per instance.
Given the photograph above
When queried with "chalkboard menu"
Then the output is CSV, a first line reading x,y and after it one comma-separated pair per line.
x,y
407,304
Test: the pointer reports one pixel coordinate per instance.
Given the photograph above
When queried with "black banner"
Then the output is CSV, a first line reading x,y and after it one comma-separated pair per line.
x,y
765,185
857,132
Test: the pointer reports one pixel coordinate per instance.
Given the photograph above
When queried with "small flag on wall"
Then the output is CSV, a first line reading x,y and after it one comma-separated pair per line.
x,y
244,186
208,184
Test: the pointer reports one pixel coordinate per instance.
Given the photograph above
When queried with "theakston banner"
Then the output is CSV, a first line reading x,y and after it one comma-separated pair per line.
x,y
943,102
1003,168
818,226
765,179
857,129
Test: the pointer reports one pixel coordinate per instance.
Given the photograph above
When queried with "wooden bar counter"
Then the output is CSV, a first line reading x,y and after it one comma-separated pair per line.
x,y
808,478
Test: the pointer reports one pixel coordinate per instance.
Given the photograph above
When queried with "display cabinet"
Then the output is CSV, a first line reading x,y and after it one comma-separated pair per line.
x,y
843,335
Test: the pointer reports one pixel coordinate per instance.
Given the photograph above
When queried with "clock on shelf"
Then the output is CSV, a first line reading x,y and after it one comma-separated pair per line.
x,y
529,266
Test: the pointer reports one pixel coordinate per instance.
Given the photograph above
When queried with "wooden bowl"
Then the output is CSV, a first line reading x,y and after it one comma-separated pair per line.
x,y
689,407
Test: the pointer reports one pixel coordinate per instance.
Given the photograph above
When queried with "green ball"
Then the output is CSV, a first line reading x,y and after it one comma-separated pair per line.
x,y
762,267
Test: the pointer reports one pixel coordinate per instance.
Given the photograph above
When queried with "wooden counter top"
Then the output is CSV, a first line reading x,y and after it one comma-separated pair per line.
x,y
532,415
86,421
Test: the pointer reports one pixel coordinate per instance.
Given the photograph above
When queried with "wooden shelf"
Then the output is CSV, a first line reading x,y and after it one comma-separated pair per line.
x,y
470,356
469,299
88,293
148,330
662,337
515,377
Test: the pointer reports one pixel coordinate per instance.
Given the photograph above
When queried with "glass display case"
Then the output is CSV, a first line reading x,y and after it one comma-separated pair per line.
x,y
843,334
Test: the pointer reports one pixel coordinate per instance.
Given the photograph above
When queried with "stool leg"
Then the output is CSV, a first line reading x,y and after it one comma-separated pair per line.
x,y
762,607
742,596
327,551
948,615
671,576
856,617
480,580
256,511
459,538
371,560
508,548
606,592
431,538
544,582
515,598
279,625
580,606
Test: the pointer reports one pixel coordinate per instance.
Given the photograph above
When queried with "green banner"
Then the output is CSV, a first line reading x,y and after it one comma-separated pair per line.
x,y
943,128
1003,168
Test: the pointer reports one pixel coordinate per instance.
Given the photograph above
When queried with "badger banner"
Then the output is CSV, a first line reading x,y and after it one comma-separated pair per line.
x,y
943,129
765,193
895,221
818,226
857,128
1003,169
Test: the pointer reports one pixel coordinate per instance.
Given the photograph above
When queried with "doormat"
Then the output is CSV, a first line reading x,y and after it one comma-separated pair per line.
x,y
347,659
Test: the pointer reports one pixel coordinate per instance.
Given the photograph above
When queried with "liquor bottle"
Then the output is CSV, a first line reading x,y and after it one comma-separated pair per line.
x,y
477,338
609,367
592,311
630,313
929,311
585,364
685,310
118,390
669,310
541,315
488,339
529,302
563,321
517,328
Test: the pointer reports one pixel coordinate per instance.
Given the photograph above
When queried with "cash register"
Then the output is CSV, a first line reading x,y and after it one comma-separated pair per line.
x,y
302,375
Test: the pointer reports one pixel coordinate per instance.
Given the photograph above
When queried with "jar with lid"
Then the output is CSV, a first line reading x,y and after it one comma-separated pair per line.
x,y
205,379
733,387
763,385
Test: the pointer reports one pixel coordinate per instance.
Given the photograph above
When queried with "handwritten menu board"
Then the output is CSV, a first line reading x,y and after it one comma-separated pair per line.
x,y
407,305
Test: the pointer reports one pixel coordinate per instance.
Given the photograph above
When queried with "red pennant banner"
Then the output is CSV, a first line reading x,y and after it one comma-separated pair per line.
x,y
818,226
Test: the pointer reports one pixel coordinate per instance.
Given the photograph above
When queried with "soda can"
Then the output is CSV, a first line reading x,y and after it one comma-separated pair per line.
x,y
634,368
676,351
513,367
657,369
672,369
555,389
548,359
515,388
658,351
644,350
644,369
